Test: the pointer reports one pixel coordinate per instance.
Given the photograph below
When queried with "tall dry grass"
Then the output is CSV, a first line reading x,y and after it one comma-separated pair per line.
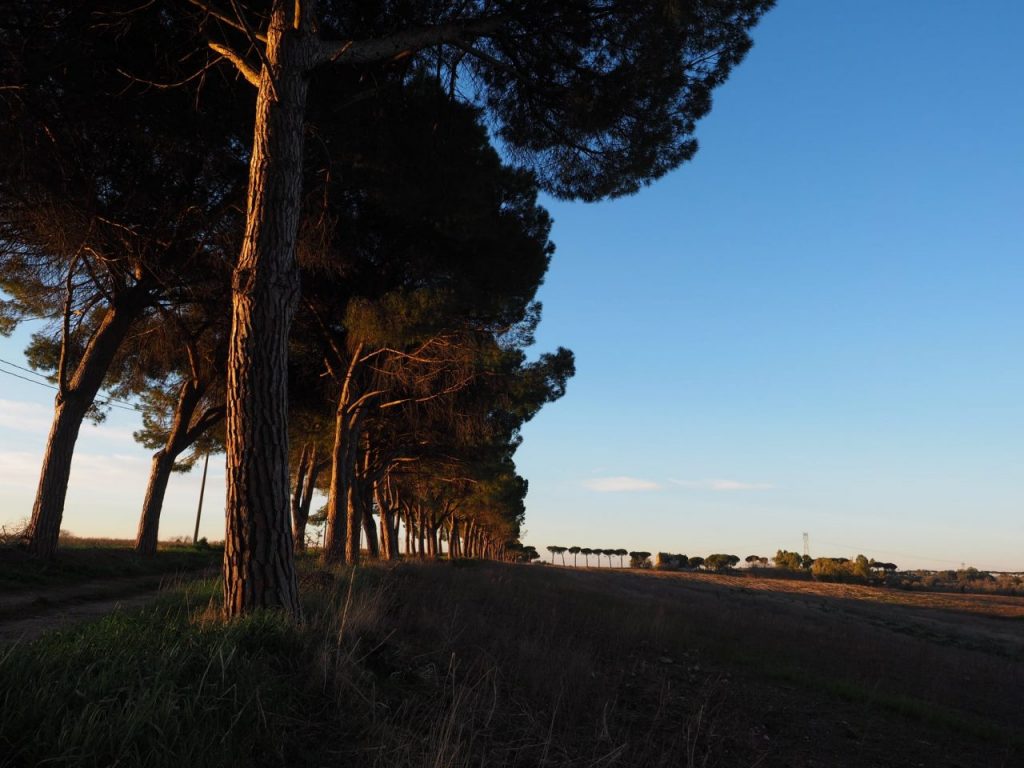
x,y
435,666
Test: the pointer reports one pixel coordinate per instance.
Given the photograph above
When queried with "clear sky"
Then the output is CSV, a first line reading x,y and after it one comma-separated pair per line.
x,y
816,325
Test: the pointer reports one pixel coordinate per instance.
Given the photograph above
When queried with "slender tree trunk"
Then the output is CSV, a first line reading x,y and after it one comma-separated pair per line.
x,y
70,406
149,521
385,541
372,540
259,561
353,492
44,528
454,545
337,496
299,536
309,485
432,551
388,525
353,524
421,525
163,463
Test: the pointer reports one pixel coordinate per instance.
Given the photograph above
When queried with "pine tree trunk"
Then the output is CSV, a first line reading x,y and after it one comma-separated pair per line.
x,y
337,496
298,525
454,543
342,541
353,493
388,525
70,408
259,561
149,521
435,541
163,463
353,525
313,472
421,533
44,528
370,529
431,545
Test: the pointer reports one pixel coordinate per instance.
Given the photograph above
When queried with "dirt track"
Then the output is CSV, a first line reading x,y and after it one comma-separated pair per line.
x,y
26,614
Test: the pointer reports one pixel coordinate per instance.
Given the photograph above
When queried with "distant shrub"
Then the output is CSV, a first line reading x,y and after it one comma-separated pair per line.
x,y
720,562
639,559
789,561
670,562
835,569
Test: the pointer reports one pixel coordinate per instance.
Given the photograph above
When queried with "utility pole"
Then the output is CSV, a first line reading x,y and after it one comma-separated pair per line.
x,y
202,490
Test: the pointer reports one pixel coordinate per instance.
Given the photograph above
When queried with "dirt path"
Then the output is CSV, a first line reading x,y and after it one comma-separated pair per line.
x,y
27,614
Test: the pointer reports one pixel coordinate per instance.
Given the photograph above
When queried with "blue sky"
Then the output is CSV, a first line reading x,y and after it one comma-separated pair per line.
x,y
816,325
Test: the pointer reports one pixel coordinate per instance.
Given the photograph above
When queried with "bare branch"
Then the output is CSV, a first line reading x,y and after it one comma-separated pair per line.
x,y
153,84
222,17
240,63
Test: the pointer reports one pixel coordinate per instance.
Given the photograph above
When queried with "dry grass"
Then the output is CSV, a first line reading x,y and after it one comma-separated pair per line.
x,y
434,666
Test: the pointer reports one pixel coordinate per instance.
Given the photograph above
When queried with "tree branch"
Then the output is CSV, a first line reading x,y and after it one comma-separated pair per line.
x,y
240,63
222,17
402,43
62,365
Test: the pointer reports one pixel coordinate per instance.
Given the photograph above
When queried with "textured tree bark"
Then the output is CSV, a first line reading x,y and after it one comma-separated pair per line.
x,y
163,463
259,563
70,406
44,527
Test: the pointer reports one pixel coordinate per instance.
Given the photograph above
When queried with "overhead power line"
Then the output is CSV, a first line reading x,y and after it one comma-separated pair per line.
x,y
112,402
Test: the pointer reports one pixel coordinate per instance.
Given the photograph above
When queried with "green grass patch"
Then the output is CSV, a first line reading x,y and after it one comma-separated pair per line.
x,y
160,687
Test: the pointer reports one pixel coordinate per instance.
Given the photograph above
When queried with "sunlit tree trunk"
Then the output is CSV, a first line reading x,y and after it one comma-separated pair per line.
x,y
334,541
259,563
